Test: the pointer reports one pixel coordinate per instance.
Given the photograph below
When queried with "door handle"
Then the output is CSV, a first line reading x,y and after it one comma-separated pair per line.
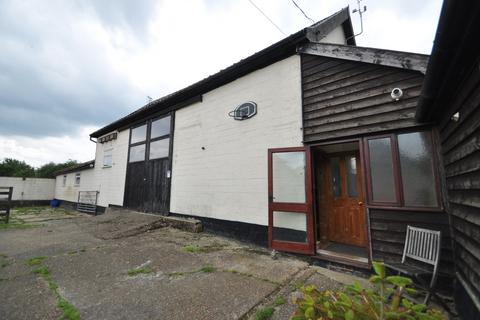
x,y
360,203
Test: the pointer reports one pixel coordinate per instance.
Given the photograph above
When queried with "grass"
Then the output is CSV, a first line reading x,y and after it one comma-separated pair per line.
x,y
264,314
207,269
279,301
192,248
143,270
3,264
15,225
68,309
36,261
43,271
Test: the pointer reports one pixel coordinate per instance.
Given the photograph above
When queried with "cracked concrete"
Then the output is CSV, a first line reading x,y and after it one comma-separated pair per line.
x,y
91,272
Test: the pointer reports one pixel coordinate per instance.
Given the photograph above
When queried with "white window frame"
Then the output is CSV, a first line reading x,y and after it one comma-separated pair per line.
x,y
77,179
108,153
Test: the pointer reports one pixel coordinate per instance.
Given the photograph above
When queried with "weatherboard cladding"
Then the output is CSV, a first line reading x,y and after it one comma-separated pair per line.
x,y
460,143
344,98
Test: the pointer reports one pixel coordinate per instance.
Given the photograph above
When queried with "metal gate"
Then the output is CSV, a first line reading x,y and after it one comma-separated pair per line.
x,y
87,202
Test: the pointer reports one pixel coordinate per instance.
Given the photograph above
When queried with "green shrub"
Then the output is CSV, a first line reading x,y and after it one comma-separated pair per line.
x,y
264,314
385,300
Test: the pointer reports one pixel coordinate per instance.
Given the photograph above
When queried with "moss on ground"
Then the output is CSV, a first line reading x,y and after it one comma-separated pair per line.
x,y
68,309
142,270
36,261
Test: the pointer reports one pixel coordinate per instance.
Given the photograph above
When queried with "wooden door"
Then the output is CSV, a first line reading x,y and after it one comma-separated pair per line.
x,y
147,186
290,218
345,205
135,186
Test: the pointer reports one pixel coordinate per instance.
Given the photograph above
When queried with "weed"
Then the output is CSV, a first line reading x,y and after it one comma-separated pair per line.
x,y
135,271
69,311
207,269
264,314
279,301
15,225
83,250
36,261
43,271
192,248
4,264
72,252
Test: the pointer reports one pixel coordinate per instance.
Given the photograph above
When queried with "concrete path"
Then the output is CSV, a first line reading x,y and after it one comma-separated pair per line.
x,y
160,274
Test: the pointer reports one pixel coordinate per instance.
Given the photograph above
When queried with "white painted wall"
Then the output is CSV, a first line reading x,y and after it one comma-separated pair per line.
x,y
336,36
109,181
228,180
30,188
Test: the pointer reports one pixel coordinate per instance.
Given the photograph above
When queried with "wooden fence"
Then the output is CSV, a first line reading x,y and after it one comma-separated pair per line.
x,y
5,203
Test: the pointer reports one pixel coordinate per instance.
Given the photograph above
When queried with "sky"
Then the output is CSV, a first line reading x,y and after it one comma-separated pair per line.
x,y
70,67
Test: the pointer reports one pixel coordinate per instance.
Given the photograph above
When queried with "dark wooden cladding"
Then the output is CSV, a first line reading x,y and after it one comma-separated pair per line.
x,y
158,186
460,147
388,228
343,98
135,186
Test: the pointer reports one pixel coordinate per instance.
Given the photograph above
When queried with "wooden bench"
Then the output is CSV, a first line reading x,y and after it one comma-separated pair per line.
x,y
5,203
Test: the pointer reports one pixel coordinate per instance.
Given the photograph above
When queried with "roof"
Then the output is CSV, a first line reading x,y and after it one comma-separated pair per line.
x,y
276,52
78,167
454,56
391,58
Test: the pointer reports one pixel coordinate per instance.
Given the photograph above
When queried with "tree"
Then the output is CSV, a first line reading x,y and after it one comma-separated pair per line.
x,y
15,168
48,170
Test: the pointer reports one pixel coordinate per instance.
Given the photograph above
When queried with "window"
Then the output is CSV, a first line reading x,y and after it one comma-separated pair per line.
x,y
64,183
107,158
151,140
402,171
139,134
160,127
159,149
77,179
137,153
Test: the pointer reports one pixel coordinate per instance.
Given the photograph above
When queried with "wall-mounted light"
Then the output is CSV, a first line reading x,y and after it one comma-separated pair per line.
x,y
456,116
396,94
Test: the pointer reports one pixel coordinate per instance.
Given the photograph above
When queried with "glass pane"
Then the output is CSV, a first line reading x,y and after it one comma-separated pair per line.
x,y
289,226
336,179
351,164
139,134
289,177
160,127
381,167
417,169
137,153
159,149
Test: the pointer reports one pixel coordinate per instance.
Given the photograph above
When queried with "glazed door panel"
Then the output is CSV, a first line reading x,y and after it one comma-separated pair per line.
x,y
291,222
345,207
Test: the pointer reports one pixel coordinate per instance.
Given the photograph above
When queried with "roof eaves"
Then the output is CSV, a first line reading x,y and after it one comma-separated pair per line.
x,y
261,59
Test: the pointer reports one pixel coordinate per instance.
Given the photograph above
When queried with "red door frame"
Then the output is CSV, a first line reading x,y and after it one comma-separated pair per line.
x,y
305,208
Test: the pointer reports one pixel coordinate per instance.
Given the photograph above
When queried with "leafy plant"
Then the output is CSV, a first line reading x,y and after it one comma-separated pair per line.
x,y
264,314
384,301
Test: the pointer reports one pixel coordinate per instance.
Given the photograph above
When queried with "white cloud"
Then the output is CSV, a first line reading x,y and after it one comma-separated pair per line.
x,y
67,67
38,151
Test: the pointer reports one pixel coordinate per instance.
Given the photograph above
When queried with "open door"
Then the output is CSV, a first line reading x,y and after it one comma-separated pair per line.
x,y
290,213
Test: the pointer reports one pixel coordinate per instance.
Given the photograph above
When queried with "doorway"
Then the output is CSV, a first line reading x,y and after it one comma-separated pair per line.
x,y
147,185
341,227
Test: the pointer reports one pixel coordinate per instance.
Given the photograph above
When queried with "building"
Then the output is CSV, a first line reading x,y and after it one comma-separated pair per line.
x,y
310,146
451,100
